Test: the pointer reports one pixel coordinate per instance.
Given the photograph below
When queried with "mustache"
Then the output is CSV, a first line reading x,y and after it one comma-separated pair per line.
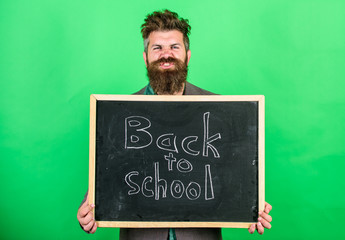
x,y
165,60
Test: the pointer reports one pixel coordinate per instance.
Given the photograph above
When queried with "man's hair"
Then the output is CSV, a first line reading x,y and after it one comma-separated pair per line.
x,y
165,21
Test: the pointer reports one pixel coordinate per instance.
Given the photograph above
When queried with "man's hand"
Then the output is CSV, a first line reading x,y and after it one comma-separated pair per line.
x,y
85,218
264,221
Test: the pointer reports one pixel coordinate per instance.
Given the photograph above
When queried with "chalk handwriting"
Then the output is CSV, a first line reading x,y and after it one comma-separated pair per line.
x,y
193,191
164,142
159,183
170,158
207,140
187,168
137,136
135,187
177,187
208,182
185,145
147,192
133,125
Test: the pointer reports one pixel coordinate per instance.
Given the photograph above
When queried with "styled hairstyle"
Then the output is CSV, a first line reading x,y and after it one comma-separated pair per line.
x,y
165,21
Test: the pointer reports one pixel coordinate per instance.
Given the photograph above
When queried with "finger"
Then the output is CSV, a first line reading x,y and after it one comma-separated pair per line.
x,y
264,223
260,228
85,203
268,208
265,216
85,220
251,229
85,210
89,226
94,228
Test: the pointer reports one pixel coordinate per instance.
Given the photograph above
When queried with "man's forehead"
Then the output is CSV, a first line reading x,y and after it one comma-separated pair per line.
x,y
166,37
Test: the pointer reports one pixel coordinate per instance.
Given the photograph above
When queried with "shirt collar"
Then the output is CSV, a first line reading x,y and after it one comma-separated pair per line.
x,y
149,90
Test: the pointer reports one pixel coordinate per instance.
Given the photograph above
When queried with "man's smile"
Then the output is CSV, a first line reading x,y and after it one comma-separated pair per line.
x,y
166,65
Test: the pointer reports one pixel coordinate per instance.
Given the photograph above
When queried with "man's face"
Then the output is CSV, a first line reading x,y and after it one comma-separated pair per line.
x,y
166,61
164,45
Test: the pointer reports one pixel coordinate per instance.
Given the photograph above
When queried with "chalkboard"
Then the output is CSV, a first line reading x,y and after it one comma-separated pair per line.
x,y
176,161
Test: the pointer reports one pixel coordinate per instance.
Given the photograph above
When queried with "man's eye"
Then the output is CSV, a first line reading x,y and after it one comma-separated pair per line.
x,y
156,48
175,47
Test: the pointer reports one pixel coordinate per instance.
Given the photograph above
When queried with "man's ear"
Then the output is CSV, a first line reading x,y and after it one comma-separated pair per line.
x,y
145,59
188,56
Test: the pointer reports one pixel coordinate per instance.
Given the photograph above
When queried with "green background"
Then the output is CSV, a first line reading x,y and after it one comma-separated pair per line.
x,y
54,54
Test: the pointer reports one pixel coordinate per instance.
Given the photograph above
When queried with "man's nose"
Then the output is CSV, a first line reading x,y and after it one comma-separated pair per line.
x,y
166,53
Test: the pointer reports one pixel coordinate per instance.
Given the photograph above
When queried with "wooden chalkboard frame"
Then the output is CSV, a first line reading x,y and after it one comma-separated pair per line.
x,y
192,98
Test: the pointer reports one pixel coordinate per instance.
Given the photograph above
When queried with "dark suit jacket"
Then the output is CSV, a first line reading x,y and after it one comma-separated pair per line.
x,y
181,233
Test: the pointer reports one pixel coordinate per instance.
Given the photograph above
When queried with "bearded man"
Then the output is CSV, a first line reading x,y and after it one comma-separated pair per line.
x,y
166,55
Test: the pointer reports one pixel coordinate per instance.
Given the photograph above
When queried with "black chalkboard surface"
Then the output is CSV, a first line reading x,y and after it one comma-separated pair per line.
x,y
176,161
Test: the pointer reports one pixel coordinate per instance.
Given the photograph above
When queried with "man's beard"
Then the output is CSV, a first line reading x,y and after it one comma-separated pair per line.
x,y
167,81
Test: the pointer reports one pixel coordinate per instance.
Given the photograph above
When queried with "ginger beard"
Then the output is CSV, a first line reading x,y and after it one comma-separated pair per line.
x,y
167,81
